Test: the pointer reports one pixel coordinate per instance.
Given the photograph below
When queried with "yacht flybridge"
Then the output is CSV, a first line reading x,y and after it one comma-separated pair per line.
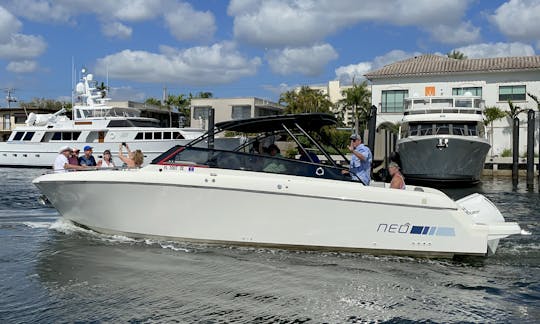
x,y
442,139
94,123
245,196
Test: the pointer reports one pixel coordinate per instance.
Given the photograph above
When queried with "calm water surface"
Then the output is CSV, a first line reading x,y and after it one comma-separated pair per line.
x,y
52,271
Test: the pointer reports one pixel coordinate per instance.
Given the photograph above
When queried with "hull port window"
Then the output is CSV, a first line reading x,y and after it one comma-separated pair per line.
x,y
147,136
167,135
139,136
157,135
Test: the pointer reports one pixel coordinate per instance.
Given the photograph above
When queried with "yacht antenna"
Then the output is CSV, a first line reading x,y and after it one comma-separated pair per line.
x,y
9,97
72,82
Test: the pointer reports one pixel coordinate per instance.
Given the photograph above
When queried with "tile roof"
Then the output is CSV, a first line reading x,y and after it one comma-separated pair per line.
x,y
431,64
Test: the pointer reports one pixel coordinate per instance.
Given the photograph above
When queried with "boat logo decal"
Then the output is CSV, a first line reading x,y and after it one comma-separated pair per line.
x,y
407,228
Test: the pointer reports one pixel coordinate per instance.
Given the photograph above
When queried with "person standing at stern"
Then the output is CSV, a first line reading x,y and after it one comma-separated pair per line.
x,y
360,167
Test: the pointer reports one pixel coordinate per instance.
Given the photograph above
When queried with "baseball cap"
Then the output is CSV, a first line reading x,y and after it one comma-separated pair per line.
x,y
64,148
87,147
354,137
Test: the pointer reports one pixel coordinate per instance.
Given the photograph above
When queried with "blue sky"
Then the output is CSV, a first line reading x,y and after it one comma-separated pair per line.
x,y
242,47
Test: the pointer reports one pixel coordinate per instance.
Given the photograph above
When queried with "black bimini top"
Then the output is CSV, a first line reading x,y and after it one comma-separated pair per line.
x,y
309,122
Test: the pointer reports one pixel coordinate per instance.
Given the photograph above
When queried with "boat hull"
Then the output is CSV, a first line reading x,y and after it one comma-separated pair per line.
x,y
451,159
215,206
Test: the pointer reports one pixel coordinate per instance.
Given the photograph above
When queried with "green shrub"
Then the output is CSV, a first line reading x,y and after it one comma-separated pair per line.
x,y
506,152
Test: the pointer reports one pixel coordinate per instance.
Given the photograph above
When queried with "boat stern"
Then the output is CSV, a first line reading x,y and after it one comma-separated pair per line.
x,y
487,217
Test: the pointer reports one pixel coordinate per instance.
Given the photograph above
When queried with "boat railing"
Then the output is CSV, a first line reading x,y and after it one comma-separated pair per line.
x,y
438,105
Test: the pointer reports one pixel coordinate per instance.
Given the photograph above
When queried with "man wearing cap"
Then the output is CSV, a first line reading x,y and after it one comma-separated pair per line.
x,y
360,167
87,159
61,163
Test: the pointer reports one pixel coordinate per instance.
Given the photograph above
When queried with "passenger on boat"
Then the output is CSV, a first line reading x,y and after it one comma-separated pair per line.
x,y
360,167
107,161
61,163
87,159
74,156
398,182
274,166
133,159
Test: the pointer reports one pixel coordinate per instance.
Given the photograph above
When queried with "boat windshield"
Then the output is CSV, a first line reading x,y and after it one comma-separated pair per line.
x,y
245,161
308,152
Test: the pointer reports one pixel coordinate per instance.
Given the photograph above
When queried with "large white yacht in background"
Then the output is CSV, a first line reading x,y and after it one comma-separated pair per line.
x,y
94,123
442,139
243,197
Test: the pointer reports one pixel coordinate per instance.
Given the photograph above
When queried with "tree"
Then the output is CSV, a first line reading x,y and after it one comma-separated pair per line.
x,y
305,100
535,98
514,110
103,88
491,114
153,101
457,55
357,98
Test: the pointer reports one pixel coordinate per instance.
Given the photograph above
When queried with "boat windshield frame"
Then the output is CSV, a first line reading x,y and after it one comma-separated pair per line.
x,y
246,157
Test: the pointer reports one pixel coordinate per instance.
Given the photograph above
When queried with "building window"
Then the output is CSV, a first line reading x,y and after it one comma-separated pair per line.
x,y
241,112
475,91
201,112
393,100
20,119
7,122
265,112
512,93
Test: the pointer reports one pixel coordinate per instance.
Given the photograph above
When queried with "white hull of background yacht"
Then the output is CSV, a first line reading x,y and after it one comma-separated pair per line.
x,y
258,209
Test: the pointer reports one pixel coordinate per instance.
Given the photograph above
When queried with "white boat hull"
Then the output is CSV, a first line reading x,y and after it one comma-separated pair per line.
x,y
221,206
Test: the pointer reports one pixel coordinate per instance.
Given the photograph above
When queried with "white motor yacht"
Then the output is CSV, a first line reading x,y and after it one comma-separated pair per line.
x,y
443,140
244,197
94,123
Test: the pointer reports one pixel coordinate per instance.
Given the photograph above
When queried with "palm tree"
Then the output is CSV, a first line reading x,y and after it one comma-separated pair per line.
x,y
491,114
357,98
535,98
305,100
457,55
103,88
514,110
153,101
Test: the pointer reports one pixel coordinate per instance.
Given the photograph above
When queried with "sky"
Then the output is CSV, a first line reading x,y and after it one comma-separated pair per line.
x,y
242,47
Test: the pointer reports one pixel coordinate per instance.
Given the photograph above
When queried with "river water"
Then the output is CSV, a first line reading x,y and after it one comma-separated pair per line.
x,y
52,271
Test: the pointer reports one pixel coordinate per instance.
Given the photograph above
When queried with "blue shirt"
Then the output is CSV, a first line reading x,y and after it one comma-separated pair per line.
x,y
361,170
87,161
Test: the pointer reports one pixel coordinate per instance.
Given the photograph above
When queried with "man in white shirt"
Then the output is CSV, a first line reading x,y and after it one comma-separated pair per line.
x,y
61,163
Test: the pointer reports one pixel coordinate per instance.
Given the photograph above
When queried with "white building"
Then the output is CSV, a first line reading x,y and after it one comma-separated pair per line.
x,y
333,89
231,108
495,79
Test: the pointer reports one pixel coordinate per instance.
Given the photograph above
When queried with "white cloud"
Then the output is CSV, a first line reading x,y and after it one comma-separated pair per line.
x,y
116,30
496,50
8,25
277,23
519,19
25,66
201,65
185,23
280,88
305,60
345,74
464,33
21,46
